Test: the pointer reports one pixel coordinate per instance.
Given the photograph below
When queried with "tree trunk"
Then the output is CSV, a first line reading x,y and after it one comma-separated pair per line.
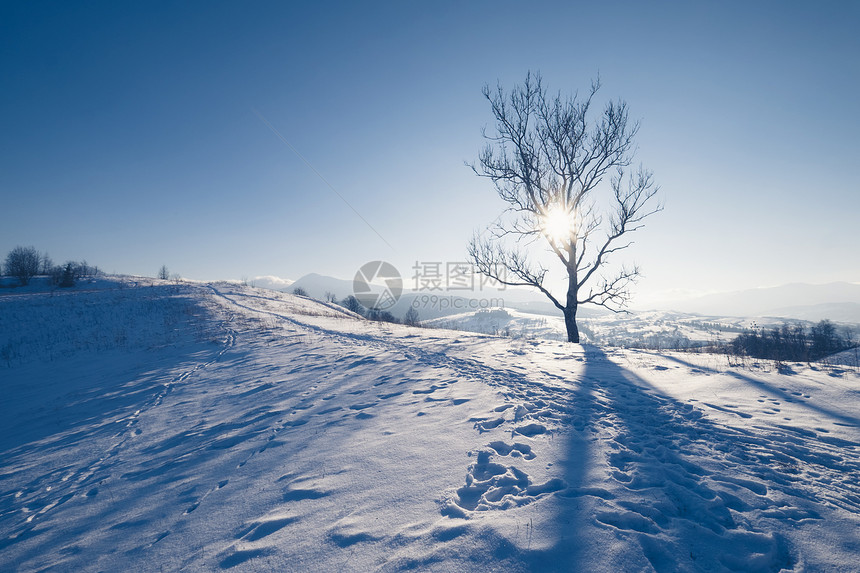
x,y
570,323
571,302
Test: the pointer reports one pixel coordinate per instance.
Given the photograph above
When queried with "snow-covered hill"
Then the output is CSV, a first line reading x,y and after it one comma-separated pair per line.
x,y
639,329
223,427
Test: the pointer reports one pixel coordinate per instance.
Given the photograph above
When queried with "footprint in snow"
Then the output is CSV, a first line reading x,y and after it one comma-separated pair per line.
x,y
348,531
234,557
389,395
430,390
493,486
531,430
301,493
259,529
362,406
484,425
515,450
328,410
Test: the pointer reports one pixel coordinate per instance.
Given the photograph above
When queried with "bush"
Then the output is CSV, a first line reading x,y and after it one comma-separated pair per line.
x,y
68,278
67,275
300,292
381,316
352,304
791,343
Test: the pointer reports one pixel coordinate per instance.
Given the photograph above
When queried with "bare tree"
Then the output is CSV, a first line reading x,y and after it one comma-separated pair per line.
x,y
163,273
23,263
46,264
548,159
411,317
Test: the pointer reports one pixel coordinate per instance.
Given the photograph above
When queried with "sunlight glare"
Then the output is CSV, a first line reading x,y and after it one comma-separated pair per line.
x,y
557,225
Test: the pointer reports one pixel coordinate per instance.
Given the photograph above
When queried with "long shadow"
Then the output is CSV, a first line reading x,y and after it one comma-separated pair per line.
x,y
62,448
659,489
96,371
90,402
569,553
778,392
60,442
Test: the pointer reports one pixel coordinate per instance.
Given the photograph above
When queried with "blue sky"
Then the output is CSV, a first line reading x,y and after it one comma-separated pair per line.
x,y
128,135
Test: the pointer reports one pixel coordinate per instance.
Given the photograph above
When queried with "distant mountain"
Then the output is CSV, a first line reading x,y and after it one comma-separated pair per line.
x,y
835,311
272,282
317,286
836,301
435,304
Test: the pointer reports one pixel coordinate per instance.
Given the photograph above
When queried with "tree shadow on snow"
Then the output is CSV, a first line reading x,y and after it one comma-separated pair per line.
x,y
657,486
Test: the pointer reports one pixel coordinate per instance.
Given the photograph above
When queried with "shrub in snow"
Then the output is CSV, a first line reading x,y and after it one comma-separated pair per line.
x,y
351,304
68,278
411,317
381,316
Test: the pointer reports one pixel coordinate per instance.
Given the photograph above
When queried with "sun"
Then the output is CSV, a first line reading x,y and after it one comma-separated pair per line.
x,y
557,224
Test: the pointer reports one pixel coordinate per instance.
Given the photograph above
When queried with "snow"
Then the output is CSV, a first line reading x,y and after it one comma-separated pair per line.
x,y
192,427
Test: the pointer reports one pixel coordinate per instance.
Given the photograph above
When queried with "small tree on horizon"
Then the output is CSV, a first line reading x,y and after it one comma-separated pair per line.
x,y
411,317
46,263
547,159
68,277
163,273
23,263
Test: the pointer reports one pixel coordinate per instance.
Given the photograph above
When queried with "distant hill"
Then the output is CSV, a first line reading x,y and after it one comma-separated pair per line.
x,y
446,302
317,285
272,282
839,301
835,311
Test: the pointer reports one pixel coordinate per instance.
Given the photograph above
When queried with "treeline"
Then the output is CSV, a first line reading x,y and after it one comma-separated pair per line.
x,y
25,263
791,342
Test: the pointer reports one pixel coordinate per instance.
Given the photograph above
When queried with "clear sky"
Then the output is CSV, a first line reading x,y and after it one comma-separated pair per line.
x,y
128,135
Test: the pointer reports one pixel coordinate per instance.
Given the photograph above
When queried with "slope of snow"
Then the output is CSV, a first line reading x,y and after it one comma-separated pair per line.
x,y
260,431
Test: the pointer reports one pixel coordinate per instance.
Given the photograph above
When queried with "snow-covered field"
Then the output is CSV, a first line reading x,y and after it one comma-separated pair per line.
x,y
222,427
637,329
